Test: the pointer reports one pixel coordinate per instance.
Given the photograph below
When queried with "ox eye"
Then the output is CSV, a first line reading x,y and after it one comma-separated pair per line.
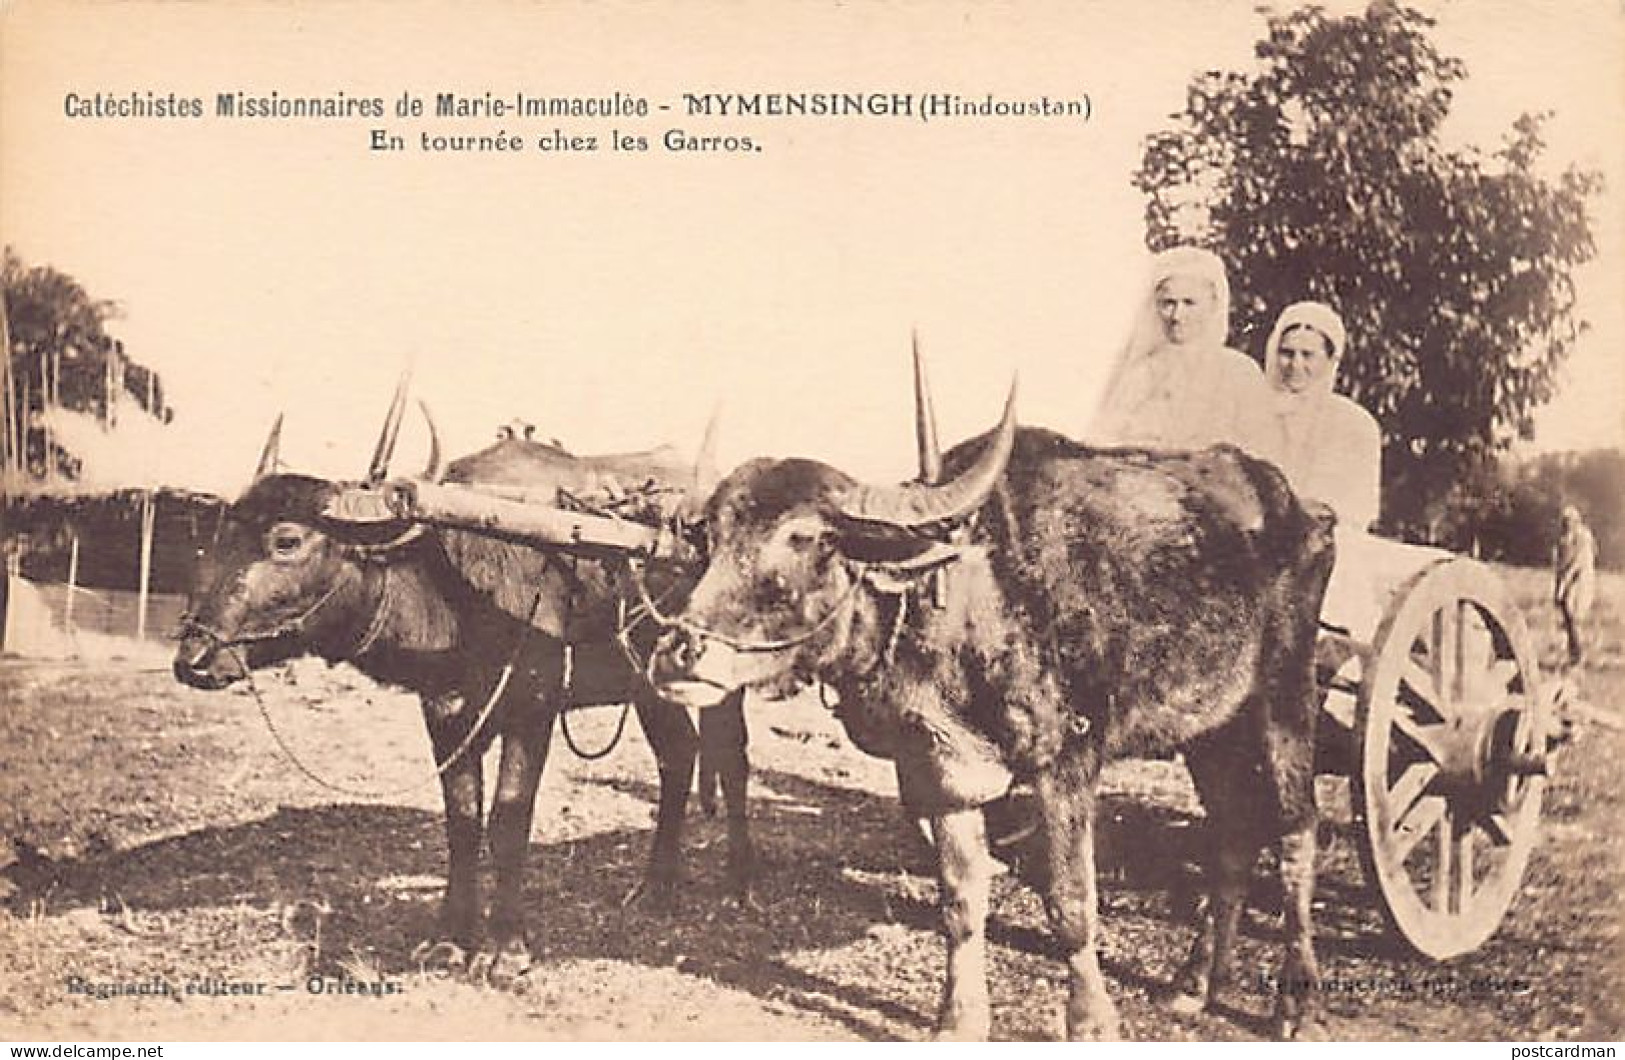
x,y
772,590
284,543
807,541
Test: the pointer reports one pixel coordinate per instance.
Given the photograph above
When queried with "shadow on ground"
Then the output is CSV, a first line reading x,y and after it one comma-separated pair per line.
x,y
837,866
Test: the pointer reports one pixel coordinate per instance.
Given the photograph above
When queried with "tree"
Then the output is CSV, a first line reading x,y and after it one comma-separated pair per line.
x,y
1321,175
61,356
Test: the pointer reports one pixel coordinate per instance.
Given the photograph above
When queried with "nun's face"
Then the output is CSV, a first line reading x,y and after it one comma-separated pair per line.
x,y
1303,360
1185,304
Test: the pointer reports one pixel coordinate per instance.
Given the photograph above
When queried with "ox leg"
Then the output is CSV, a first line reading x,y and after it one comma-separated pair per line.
x,y
675,744
1288,760
1066,799
462,788
1297,1003
723,739
965,878
1232,792
524,753
710,772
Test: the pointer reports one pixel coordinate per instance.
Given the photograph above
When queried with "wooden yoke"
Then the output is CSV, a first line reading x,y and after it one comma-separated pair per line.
x,y
471,508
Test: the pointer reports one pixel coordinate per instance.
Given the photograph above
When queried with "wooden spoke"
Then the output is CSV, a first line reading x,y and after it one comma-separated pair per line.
x,y
1445,831
1422,735
1464,866
1409,787
1444,650
1423,685
1416,825
1502,674
1498,828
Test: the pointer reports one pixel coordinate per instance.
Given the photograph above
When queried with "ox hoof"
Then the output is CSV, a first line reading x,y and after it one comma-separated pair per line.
x,y
508,968
963,1020
966,1032
1308,1029
741,900
1094,1030
655,892
479,967
444,956
1181,1003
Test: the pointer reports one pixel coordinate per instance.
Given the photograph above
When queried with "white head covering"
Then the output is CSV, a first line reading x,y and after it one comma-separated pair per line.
x,y
1321,319
1129,375
1194,263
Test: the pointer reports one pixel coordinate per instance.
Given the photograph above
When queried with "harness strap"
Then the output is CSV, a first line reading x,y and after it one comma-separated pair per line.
x,y
856,572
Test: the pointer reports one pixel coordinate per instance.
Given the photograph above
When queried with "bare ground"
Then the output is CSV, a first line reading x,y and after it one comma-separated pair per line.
x,y
160,836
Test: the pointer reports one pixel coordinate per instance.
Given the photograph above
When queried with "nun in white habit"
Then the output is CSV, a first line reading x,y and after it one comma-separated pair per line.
x,y
1176,385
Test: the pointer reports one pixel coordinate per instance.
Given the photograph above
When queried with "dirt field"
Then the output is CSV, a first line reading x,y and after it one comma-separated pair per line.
x,y
160,840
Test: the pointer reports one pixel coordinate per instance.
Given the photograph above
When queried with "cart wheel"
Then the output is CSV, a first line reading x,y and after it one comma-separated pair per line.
x,y
1450,767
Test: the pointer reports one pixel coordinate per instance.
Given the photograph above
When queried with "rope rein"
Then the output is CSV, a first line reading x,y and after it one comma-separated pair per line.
x,y
567,675
468,741
294,625
602,752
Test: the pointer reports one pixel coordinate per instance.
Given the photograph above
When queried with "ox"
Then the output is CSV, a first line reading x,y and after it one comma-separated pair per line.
x,y
1098,604
435,613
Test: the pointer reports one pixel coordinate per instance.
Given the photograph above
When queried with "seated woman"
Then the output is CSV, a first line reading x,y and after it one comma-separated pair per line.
x,y
1176,385
1329,448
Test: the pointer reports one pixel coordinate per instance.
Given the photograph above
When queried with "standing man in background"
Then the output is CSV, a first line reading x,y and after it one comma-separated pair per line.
x,y
1574,563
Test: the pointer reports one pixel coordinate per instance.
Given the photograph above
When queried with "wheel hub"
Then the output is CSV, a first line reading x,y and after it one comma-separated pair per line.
x,y
1484,755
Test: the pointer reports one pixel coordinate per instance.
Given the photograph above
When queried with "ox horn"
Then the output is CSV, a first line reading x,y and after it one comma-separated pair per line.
x,y
384,451
925,422
271,453
915,507
431,473
706,474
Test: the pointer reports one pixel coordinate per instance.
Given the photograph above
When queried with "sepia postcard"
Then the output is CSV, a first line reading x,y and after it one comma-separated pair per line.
x,y
474,305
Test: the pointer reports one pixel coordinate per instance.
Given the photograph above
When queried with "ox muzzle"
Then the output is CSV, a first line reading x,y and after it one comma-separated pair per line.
x,y
698,668
694,670
203,660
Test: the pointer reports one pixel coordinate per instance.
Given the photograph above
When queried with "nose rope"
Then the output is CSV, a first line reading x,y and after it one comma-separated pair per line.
x,y
629,619
856,572
296,624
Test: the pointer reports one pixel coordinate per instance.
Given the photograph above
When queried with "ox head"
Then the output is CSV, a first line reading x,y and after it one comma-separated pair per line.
x,y
283,579
792,546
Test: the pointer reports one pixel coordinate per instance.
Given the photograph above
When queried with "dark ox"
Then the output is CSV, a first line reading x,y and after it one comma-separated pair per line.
x,y
434,613
1097,604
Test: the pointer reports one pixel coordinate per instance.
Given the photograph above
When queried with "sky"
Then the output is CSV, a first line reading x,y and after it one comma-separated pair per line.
x,y
618,299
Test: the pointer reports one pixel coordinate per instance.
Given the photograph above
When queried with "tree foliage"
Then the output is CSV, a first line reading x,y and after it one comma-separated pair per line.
x,y
1322,174
62,355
